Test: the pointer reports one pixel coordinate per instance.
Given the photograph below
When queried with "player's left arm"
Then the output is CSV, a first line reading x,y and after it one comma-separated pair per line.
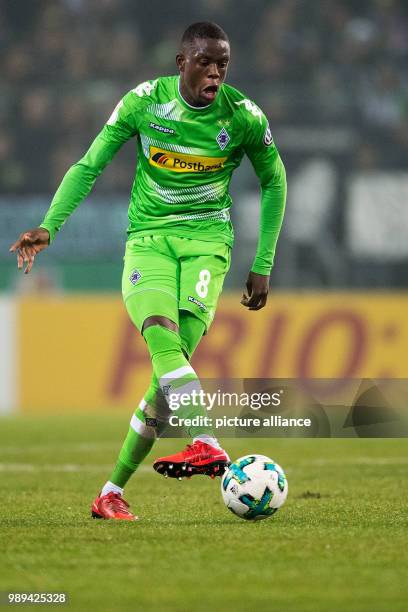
x,y
265,158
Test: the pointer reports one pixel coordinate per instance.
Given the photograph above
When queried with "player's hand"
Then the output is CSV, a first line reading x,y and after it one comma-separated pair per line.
x,y
28,245
257,287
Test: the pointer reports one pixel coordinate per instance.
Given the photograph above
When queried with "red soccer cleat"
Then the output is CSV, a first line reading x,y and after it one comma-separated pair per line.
x,y
112,506
197,458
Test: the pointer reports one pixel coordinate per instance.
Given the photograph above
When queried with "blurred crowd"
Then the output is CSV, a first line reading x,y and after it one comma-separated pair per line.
x,y
65,63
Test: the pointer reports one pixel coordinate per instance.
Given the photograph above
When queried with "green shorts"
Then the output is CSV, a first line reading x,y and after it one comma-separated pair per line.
x,y
167,274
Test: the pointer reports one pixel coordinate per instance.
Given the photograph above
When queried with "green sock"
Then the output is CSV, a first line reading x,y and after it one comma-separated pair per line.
x,y
175,374
133,451
141,437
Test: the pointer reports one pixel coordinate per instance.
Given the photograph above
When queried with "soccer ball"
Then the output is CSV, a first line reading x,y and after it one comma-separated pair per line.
x,y
254,487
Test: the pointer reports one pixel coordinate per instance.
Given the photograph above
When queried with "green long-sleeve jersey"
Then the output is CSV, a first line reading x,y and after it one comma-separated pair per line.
x,y
186,157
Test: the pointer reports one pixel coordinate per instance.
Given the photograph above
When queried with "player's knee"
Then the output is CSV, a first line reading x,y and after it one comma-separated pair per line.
x,y
159,320
161,336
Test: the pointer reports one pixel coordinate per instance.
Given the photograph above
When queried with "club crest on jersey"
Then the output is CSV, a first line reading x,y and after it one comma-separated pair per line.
x,y
135,276
223,139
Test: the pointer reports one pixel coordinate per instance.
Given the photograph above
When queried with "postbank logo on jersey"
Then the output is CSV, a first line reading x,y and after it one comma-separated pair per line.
x,y
182,162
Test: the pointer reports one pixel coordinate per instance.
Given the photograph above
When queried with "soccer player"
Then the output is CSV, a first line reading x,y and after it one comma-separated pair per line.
x,y
192,131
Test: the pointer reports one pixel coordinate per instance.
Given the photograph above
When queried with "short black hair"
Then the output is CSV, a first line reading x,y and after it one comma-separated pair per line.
x,y
203,29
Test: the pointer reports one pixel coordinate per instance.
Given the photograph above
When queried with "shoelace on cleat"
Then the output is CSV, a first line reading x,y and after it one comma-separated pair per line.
x,y
117,502
199,454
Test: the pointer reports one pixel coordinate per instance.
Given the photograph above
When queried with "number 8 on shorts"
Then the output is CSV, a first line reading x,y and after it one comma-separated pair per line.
x,y
202,285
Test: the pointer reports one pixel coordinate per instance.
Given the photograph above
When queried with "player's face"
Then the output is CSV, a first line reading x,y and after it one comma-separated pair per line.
x,y
203,67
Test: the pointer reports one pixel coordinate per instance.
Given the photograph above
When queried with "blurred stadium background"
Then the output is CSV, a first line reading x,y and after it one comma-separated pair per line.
x,y
332,77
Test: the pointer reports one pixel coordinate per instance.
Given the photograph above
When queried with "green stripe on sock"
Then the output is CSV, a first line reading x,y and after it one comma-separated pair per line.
x,y
140,415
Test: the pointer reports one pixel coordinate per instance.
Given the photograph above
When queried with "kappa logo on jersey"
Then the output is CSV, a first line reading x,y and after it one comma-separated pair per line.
x,y
197,302
268,139
135,276
181,162
223,139
251,108
161,128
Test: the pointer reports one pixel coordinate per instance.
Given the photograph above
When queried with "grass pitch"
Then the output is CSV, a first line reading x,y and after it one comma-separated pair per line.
x,y
339,543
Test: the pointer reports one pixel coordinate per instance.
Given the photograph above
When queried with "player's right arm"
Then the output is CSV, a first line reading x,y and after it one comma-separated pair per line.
x,y
78,181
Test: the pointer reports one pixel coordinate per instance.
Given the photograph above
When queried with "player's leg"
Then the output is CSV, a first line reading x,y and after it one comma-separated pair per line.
x,y
204,456
148,271
168,356
146,425
192,329
152,415
201,279
177,378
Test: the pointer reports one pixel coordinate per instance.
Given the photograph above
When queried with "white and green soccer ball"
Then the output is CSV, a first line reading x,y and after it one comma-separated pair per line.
x,y
254,487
